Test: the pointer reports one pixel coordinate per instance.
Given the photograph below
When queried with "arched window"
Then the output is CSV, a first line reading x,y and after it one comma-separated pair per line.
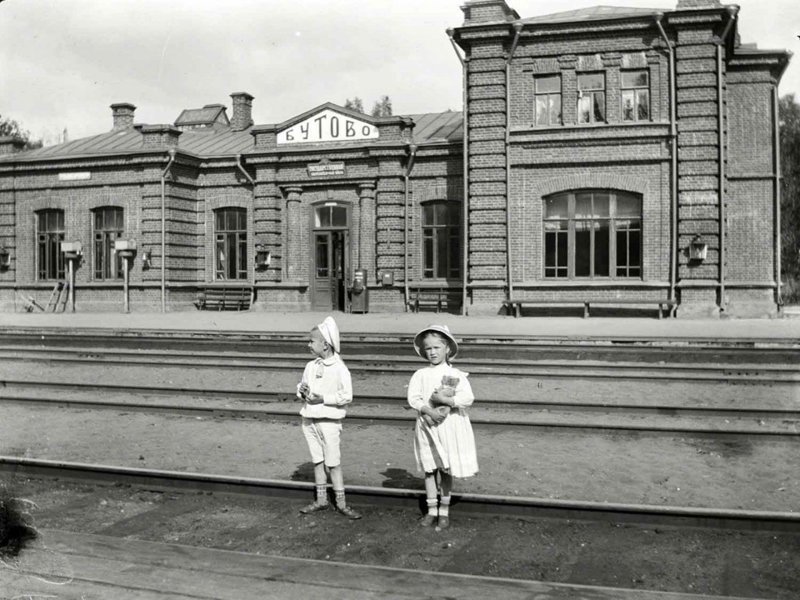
x,y
593,234
230,249
49,235
441,240
108,227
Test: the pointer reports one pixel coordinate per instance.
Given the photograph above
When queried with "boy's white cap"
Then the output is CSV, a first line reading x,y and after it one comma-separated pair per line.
x,y
330,332
441,329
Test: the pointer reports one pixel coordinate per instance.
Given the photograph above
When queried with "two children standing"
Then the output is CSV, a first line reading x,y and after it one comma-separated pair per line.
x,y
444,445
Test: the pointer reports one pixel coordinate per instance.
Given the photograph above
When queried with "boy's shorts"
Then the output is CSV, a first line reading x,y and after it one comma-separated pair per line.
x,y
322,436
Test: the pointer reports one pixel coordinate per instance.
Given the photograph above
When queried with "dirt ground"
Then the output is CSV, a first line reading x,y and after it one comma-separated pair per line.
x,y
704,561
755,472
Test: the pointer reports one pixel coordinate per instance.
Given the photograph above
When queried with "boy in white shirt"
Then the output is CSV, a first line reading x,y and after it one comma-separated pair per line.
x,y
326,388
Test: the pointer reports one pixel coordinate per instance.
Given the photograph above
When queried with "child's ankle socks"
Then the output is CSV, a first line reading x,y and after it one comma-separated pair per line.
x,y
444,506
322,494
340,501
432,506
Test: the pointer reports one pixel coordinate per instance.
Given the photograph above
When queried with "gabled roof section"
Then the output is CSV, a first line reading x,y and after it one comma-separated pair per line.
x,y
593,13
328,106
208,115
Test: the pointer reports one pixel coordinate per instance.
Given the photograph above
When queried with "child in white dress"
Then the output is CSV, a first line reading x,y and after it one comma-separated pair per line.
x,y
444,444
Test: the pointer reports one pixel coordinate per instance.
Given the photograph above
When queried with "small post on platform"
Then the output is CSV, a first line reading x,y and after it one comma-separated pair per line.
x,y
127,251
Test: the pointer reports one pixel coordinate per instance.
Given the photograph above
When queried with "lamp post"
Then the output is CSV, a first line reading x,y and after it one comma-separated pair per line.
x,y
73,252
126,250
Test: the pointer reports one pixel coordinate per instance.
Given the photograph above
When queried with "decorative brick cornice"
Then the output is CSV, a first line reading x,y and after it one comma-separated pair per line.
x,y
593,180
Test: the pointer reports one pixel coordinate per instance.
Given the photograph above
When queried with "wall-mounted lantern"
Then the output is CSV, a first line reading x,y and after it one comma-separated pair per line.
x,y
5,258
147,259
698,250
263,257
72,250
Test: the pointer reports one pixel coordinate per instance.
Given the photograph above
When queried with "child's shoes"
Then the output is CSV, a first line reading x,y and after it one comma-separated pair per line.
x,y
444,523
428,520
348,512
314,507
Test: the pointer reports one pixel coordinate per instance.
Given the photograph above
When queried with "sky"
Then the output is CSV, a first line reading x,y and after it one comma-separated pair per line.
x,y
63,62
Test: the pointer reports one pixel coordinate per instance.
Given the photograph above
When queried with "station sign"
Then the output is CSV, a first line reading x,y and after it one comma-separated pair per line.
x,y
328,126
326,168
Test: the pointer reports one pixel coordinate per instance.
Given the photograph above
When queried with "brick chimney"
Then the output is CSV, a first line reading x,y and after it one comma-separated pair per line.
x,y
242,117
488,11
11,145
122,113
160,136
695,4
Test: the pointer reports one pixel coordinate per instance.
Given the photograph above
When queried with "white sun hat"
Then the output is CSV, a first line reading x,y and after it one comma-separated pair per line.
x,y
330,332
441,329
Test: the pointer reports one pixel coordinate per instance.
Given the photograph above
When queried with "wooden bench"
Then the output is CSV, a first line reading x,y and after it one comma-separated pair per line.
x,y
225,298
430,297
515,306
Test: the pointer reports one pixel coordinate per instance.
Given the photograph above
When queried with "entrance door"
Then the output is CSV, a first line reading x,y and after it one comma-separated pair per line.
x,y
330,269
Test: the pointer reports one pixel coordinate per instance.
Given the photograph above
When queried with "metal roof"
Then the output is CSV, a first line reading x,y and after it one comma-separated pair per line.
x,y
207,115
438,127
593,13
220,140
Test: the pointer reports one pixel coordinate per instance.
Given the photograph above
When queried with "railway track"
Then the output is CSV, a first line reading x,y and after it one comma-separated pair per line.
x,y
675,516
385,363
501,414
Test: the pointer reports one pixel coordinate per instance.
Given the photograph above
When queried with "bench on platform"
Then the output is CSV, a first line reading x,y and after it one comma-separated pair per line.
x,y
438,298
515,306
225,298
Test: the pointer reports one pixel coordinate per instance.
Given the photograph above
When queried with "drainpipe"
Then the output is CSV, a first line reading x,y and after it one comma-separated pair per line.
x,y
465,177
777,209
732,11
509,57
673,265
164,232
412,152
240,166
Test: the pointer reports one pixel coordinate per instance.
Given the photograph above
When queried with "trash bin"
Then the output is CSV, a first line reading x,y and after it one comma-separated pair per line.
x,y
359,295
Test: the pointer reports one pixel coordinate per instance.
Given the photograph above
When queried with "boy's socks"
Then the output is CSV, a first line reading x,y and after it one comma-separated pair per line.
x,y
322,494
432,505
444,506
340,501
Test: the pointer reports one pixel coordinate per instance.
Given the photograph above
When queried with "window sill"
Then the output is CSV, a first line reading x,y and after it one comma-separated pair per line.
x,y
591,283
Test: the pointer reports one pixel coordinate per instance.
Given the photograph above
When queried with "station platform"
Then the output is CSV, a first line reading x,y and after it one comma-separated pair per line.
x,y
94,567
783,330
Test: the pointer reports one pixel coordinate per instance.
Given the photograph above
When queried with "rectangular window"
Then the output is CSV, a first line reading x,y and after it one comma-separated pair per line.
x,y
231,243
49,235
592,234
547,100
108,227
635,95
441,240
591,98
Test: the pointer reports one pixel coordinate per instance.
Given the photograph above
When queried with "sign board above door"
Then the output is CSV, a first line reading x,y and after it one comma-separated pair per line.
x,y
328,126
325,168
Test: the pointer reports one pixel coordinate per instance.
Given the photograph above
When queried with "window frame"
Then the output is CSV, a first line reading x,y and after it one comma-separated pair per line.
x,y
631,227
431,241
636,90
104,253
50,262
549,96
592,93
233,243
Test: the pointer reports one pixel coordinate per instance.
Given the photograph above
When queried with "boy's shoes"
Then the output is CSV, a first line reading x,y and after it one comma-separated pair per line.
x,y
348,512
428,520
314,507
444,523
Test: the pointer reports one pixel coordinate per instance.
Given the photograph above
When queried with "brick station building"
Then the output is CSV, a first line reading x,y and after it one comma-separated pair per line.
x,y
612,155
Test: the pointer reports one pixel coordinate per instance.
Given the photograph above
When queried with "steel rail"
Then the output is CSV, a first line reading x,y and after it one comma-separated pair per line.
x,y
780,374
678,516
503,423
195,335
